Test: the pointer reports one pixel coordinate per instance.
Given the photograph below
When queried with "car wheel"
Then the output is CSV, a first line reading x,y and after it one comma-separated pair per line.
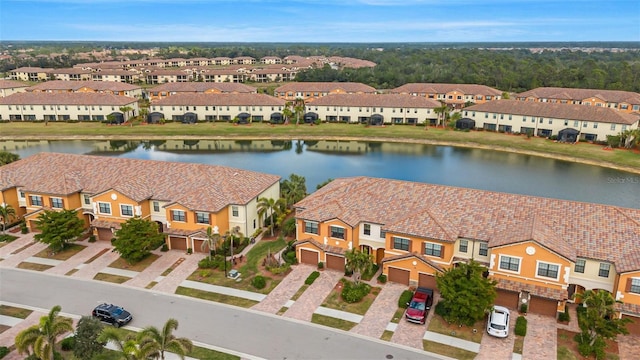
x,y
116,324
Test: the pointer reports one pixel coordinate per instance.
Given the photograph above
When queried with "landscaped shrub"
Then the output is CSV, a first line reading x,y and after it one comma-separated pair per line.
x,y
382,278
564,316
23,228
290,257
353,293
3,351
67,344
320,265
441,309
368,275
7,238
521,326
164,248
277,270
523,308
92,238
405,297
207,263
259,282
586,349
312,277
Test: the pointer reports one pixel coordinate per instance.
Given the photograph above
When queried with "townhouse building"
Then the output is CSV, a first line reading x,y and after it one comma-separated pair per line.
x,y
193,107
569,122
625,101
309,91
30,74
117,75
374,109
456,96
70,74
102,87
76,106
540,251
9,87
183,199
167,76
169,89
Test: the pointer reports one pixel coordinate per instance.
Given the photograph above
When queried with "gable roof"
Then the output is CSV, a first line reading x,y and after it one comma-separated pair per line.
x,y
571,229
560,93
441,88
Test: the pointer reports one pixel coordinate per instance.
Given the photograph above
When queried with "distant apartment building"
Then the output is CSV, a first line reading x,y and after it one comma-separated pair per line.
x,y
456,96
625,101
309,91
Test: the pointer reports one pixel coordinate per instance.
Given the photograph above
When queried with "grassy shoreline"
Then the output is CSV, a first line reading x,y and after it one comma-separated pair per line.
x,y
586,153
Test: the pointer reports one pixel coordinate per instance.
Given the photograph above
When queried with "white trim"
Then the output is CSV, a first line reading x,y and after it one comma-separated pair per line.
x,y
180,221
424,249
132,210
557,278
506,270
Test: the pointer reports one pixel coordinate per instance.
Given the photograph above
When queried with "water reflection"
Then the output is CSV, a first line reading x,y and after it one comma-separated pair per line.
x,y
319,160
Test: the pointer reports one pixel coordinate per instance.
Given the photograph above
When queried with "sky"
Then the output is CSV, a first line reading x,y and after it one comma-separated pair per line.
x,y
311,21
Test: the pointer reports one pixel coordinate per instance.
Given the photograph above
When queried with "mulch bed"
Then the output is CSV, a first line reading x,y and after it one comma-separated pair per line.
x,y
565,338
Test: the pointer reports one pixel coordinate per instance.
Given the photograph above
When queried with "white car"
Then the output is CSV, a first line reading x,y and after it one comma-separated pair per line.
x,y
498,323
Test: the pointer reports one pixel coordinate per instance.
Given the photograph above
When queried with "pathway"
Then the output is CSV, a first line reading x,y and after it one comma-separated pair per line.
x,y
313,297
279,296
78,260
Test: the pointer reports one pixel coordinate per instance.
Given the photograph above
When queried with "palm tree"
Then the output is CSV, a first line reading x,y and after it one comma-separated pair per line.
x,y
125,110
298,109
358,262
213,240
7,213
271,207
127,344
165,340
293,189
441,111
286,112
42,337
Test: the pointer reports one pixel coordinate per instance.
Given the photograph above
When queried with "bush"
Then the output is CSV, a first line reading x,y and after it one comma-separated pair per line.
x,y
290,257
189,251
320,265
312,277
405,297
382,278
441,309
353,293
92,238
164,248
523,308
521,326
207,263
564,316
277,270
23,228
259,282
67,344
3,351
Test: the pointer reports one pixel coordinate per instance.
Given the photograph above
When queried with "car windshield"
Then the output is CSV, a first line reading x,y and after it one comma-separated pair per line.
x,y
117,311
498,326
417,305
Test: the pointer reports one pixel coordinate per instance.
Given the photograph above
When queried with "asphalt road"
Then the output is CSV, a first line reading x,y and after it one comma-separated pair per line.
x,y
244,331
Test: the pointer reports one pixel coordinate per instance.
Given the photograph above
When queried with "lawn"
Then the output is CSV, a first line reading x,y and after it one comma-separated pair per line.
x,y
65,254
386,335
439,325
121,263
446,350
116,279
6,238
33,266
518,344
332,322
334,300
15,312
391,133
397,315
221,298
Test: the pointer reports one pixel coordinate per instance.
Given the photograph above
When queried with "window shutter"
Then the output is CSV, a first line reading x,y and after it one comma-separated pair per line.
x,y
627,288
442,248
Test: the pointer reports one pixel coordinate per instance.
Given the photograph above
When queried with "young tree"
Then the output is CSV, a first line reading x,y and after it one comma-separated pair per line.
x,y
271,207
298,109
42,338
287,113
599,321
213,240
164,340
86,339
358,262
7,157
466,294
7,214
58,228
136,238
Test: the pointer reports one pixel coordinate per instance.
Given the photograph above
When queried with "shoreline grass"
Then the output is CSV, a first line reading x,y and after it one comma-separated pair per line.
x,y
621,159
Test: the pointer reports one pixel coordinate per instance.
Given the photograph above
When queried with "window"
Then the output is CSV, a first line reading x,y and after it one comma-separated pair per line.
x,y
432,249
400,243
22,195
126,210
311,227
86,199
56,203
234,211
367,229
337,232
548,270
36,200
604,270
634,287
156,206
509,263
464,246
484,249
579,268
178,215
202,218
383,234
104,208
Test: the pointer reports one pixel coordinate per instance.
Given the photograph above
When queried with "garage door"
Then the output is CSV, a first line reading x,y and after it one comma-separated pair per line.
x,y
197,246
542,306
633,327
335,262
105,234
399,275
308,257
33,226
508,299
428,281
178,243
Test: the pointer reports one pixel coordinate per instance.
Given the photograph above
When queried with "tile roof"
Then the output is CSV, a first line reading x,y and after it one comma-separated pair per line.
x,y
557,111
10,84
203,87
375,100
517,286
199,99
349,87
570,228
77,85
67,98
413,256
195,186
438,88
613,96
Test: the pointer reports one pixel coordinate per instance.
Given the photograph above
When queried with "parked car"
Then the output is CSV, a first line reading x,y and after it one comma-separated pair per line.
x,y
418,308
112,314
498,323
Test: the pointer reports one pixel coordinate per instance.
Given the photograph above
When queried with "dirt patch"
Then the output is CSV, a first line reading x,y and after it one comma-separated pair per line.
x,y
565,339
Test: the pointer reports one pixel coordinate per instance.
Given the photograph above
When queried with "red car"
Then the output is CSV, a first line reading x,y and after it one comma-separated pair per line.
x,y
418,308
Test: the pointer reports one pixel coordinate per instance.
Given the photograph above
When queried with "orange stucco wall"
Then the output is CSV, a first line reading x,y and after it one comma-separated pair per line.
x,y
121,199
628,297
417,246
324,231
220,219
407,264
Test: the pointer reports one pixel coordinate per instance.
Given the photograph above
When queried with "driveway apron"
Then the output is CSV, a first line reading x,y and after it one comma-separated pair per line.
x,y
282,293
80,258
14,259
377,318
629,347
89,271
541,341
170,283
497,348
153,271
313,297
